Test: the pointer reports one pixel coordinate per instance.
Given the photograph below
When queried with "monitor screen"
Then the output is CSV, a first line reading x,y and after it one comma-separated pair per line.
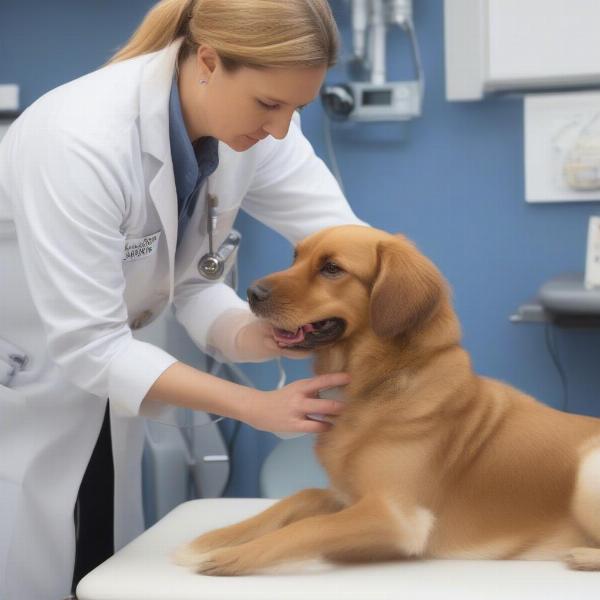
x,y
377,97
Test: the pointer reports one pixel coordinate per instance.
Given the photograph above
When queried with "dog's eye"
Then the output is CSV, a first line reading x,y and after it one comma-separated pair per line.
x,y
330,269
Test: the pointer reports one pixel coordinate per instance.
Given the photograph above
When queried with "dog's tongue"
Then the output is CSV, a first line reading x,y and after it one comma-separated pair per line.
x,y
292,337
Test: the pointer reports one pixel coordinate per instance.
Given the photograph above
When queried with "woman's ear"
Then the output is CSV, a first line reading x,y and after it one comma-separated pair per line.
x,y
206,60
406,290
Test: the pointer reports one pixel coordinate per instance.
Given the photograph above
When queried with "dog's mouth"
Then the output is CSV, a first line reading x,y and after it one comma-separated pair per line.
x,y
311,335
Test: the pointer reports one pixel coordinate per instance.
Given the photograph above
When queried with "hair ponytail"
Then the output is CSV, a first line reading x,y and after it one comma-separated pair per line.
x,y
163,24
251,33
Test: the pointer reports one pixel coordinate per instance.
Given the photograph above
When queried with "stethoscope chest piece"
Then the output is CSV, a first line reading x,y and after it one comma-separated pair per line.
x,y
212,265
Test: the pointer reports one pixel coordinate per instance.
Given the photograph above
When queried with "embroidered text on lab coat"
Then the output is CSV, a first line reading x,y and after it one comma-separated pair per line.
x,y
136,248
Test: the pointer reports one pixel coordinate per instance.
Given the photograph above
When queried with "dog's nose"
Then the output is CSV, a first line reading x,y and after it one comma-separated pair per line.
x,y
258,293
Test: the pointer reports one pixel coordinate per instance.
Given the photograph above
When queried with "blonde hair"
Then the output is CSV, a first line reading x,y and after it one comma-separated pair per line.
x,y
244,33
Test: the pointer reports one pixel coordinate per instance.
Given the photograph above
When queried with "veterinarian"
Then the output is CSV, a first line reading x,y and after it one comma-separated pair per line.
x,y
108,186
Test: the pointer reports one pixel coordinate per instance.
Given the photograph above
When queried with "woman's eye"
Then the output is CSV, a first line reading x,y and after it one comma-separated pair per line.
x,y
331,269
267,106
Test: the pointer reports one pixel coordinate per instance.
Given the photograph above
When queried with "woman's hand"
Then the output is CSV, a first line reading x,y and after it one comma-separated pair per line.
x,y
286,409
240,336
257,338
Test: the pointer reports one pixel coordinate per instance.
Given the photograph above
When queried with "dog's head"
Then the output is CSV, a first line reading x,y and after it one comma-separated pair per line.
x,y
347,279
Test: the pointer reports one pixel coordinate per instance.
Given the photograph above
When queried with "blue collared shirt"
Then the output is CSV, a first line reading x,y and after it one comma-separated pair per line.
x,y
192,163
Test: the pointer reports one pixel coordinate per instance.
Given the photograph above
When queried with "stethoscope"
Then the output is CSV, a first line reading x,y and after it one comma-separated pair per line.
x,y
213,264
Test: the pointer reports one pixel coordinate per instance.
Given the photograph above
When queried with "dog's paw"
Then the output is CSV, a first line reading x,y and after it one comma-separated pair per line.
x,y
218,561
187,555
224,562
583,559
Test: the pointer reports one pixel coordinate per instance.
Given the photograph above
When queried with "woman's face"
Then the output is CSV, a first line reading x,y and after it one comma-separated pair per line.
x,y
243,107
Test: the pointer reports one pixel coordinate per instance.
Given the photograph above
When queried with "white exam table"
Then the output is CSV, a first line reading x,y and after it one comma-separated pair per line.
x,y
143,571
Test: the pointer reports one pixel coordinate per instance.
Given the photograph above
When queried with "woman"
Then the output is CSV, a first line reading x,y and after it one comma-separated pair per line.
x,y
103,213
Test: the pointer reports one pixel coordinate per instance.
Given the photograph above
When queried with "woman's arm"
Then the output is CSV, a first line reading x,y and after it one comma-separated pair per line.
x,y
293,192
279,410
69,193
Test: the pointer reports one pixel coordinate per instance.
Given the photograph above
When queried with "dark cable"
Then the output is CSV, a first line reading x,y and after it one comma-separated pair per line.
x,y
554,355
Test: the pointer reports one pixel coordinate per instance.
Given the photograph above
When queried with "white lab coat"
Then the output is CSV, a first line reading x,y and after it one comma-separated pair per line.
x,y
85,168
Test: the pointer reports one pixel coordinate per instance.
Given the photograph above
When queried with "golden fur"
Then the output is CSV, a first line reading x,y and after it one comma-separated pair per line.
x,y
428,459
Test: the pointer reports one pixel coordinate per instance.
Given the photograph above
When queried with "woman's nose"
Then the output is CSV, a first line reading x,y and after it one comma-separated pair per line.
x,y
279,125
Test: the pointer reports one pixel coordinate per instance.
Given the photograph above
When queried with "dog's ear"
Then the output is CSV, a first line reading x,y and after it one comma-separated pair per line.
x,y
406,290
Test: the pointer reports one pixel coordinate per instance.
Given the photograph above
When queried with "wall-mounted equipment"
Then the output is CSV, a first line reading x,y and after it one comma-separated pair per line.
x,y
562,147
9,106
592,259
9,97
377,99
503,45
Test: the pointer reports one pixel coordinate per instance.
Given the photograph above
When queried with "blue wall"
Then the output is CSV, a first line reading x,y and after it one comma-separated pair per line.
x,y
452,181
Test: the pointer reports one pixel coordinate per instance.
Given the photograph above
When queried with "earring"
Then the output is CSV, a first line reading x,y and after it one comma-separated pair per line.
x,y
203,81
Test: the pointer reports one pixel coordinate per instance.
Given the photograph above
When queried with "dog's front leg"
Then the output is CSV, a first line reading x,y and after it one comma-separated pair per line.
x,y
306,503
373,523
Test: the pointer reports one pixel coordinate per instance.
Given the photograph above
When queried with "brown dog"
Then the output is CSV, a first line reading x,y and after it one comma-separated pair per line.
x,y
428,459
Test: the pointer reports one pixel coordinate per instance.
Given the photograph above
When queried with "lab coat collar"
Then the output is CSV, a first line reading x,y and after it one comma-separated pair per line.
x,y
155,89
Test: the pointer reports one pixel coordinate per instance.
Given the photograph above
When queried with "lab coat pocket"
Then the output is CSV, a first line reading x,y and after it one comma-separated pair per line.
x,y
146,271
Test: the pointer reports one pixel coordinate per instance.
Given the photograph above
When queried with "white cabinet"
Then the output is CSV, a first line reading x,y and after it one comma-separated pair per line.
x,y
500,45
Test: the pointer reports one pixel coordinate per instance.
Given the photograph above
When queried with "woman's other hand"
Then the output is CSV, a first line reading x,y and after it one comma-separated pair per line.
x,y
286,409
240,336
